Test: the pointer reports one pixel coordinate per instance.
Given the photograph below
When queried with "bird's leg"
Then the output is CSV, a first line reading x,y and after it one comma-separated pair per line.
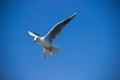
x,y
44,56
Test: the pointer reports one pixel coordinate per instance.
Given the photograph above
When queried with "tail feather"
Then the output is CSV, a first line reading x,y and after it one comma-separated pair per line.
x,y
52,50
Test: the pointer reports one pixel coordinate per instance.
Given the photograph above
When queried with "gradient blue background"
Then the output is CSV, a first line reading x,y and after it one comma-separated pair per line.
x,y
89,44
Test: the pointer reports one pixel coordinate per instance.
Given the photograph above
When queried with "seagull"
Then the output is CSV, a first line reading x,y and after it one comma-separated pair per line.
x,y
46,41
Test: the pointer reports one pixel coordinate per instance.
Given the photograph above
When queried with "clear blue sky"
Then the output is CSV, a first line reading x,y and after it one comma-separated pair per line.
x,y
89,44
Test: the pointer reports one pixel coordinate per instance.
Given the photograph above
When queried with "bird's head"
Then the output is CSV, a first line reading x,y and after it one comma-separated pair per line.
x,y
36,39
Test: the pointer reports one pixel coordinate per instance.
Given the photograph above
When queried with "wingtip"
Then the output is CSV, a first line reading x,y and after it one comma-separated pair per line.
x,y
29,32
76,13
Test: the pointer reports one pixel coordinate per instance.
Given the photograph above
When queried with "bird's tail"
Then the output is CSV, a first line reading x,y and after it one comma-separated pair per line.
x,y
52,50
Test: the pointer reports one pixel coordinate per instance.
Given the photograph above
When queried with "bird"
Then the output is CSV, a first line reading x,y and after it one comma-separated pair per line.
x,y
46,41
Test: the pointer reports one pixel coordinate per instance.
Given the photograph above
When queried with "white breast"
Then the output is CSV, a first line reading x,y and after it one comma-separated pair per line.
x,y
44,43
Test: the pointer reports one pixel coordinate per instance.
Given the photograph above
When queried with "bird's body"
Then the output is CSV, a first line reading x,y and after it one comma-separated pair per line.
x,y
43,42
48,47
46,41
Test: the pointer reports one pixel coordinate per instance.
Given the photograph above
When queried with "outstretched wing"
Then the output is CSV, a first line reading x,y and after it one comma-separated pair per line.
x,y
58,27
33,34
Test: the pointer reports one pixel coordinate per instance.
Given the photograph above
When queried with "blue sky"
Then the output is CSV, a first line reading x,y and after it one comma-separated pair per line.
x,y
89,44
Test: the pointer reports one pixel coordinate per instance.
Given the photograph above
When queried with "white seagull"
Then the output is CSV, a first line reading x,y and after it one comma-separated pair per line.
x,y
46,41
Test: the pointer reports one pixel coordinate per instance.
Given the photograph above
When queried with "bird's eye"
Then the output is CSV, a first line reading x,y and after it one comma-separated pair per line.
x,y
37,39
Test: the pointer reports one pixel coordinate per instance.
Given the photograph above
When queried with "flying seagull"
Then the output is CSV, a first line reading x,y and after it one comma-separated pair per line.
x,y
46,41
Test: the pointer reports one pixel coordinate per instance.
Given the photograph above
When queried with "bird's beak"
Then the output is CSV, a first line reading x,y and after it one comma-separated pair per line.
x,y
34,41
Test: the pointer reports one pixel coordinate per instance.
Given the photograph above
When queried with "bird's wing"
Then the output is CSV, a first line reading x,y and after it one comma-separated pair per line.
x,y
33,34
58,27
